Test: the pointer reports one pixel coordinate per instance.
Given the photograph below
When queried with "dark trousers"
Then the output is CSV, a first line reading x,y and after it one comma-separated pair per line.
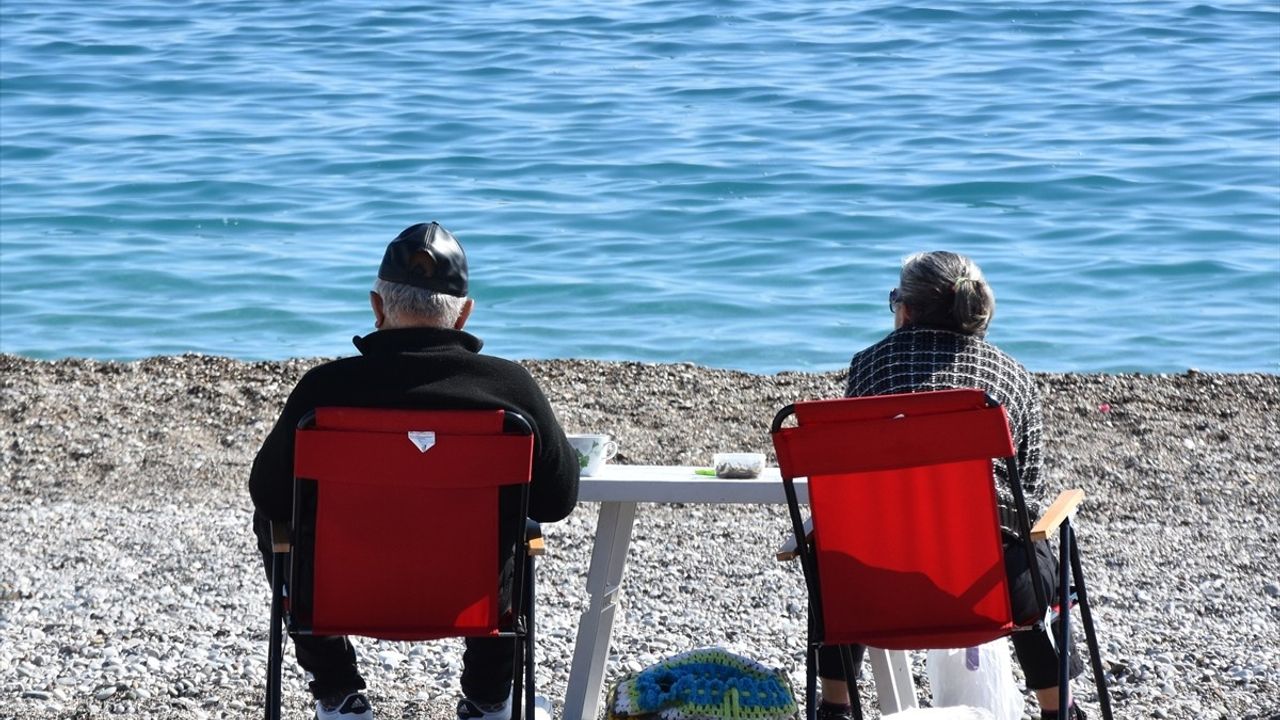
x,y
1035,650
487,663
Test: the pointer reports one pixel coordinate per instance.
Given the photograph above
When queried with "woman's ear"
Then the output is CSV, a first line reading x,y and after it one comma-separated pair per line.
x,y
902,316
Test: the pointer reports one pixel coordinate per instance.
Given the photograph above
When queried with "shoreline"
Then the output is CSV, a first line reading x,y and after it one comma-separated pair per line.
x,y
237,401
113,473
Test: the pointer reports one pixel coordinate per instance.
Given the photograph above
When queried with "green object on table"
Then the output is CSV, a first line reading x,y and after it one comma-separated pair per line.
x,y
704,471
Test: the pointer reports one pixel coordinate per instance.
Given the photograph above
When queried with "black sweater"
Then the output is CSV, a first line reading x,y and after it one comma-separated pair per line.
x,y
421,368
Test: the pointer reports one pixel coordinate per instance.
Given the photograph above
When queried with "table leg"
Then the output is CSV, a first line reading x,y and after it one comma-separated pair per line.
x,y
891,670
608,558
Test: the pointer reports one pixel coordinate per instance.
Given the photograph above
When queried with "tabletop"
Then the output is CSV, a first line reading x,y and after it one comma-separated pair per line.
x,y
680,484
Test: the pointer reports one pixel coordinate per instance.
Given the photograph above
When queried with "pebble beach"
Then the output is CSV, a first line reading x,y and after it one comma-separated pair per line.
x,y
130,585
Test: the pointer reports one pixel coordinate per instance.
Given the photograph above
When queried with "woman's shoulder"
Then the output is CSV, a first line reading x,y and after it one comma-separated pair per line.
x,y
875,347
1008,379
914,356
1002,358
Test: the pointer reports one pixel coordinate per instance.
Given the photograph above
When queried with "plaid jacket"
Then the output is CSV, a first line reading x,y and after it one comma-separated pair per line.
x,y
914,359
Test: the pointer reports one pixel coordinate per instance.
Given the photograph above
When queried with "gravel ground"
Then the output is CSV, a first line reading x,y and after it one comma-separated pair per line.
x,y
129,584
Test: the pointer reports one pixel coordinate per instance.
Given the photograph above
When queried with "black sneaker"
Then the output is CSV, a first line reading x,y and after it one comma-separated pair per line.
x,y
831,711
1075,713
347,707
471,710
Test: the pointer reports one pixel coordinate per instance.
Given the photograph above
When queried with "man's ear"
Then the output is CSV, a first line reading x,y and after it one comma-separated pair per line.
x,y
466,313
379,312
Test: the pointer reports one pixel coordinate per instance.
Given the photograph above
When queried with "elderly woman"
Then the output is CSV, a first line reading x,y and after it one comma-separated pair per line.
x,y
941,309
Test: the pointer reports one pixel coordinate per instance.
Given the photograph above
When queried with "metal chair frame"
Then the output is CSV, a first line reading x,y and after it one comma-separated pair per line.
x,y
520,619
1068,572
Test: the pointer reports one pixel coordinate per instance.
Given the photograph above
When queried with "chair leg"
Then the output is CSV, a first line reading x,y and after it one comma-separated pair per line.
x,y
1091,637
517,678
811,682
1064,620
851,680
522,691
530,636
275,651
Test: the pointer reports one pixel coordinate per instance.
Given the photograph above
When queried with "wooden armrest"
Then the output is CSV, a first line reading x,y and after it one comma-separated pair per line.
x,y
537,546
1061,509
280,542
533,539
788,550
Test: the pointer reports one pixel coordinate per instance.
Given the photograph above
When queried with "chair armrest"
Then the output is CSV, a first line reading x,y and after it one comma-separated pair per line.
x,y
1061,509
280,542
537,546
533,540
788,550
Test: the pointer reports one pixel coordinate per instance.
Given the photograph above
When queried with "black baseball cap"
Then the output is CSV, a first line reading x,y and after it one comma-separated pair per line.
x,y
426,256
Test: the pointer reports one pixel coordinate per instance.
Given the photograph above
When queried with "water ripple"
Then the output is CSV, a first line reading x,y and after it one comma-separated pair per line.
x,y
659,180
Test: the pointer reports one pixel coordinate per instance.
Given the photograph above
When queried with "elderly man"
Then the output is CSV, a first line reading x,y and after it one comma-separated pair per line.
x,y
419,357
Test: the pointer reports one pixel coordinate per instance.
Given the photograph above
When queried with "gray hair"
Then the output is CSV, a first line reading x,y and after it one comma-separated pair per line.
x,y
409,306
943,289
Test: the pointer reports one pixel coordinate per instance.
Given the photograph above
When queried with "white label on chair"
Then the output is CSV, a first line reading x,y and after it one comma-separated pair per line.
x,y
424,440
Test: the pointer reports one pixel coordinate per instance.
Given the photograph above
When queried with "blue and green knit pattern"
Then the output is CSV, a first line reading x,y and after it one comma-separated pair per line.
x,y
705,684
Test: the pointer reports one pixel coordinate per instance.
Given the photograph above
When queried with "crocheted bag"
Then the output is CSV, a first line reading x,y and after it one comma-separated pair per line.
x,y
704,684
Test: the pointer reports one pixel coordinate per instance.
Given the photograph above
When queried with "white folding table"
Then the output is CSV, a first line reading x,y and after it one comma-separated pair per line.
x,y
618,488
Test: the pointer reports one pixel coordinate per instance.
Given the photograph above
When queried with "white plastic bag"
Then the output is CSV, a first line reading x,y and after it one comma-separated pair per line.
x,y
978,676
947,713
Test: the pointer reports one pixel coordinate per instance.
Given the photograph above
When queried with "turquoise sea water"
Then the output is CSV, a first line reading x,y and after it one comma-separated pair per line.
x,y
726,183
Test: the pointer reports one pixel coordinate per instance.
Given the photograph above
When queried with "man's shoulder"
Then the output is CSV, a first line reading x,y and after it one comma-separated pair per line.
x,y
330,369
508,370
381,374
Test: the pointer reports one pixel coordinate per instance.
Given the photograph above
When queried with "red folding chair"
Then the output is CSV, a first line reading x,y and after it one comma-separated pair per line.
x,y
905,550
413,504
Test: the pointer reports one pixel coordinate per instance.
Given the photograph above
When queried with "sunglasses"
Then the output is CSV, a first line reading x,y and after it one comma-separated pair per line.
x,y
895,299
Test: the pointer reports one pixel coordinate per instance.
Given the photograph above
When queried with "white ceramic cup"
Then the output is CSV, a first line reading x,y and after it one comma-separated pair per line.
x,y
593,451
